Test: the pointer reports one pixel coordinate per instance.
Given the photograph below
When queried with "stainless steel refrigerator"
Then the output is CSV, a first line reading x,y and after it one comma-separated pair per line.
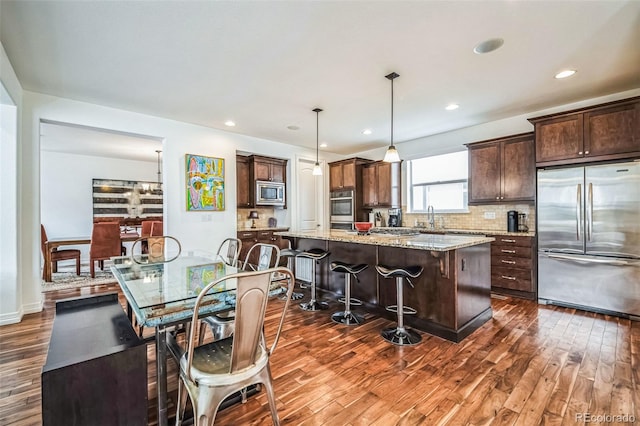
x,y
589,237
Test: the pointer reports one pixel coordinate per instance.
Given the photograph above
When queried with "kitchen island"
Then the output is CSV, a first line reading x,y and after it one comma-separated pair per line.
x,y
452,296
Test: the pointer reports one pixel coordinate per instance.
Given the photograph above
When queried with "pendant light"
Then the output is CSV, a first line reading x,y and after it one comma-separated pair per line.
x,y
391,156
317,170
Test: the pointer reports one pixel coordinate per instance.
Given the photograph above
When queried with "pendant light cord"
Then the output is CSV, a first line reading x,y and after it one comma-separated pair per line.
x,y
392,112
317,132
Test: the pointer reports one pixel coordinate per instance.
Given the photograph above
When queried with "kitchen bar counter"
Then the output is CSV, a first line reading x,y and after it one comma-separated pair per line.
x,y
452,296
433,242
424,230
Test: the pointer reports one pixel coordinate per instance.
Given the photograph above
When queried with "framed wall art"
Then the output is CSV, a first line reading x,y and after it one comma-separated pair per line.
x,y
205,183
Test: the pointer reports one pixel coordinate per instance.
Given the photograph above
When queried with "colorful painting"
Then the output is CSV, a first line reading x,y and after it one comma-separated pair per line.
x,y
205,183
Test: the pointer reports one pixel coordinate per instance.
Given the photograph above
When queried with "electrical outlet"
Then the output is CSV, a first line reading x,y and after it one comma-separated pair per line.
x,y
489,215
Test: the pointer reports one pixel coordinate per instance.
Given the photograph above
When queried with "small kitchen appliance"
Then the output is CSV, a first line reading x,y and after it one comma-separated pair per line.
x,y
395,218
512,221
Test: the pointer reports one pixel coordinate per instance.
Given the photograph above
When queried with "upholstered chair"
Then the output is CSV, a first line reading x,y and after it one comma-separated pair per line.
x,y
105,243
58,255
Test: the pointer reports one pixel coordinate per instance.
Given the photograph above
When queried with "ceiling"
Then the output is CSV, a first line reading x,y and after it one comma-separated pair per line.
x,y
267,64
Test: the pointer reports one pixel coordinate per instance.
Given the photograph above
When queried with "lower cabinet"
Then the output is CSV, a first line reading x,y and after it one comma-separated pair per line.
x,y
249,238
512,266
96,368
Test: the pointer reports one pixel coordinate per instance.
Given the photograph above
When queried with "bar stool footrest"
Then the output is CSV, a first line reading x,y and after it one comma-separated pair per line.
x,y
347,318
314,305
353,301
406,311
401,337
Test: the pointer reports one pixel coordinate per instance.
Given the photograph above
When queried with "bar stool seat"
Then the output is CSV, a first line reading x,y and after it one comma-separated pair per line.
x,y
290,254
347,317
400,335
316,255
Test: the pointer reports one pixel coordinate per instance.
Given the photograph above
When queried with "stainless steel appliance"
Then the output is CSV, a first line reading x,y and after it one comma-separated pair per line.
x,y
342,205
270,193
589,237
395,218
512,221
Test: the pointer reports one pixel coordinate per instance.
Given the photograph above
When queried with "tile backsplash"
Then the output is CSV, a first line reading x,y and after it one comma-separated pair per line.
x,y
487,217
264,213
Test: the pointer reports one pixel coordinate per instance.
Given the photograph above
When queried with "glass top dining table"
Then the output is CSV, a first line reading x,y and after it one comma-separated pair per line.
x,y
163,294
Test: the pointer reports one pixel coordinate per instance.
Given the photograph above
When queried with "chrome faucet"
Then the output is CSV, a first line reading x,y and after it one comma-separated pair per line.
x,y
431,217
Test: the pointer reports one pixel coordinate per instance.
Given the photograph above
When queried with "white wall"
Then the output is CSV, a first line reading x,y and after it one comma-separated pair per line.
x,y
66,202
11,301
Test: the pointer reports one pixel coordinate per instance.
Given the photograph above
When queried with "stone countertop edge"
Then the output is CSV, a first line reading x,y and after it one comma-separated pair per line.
x,y
466,231
265,228
416,242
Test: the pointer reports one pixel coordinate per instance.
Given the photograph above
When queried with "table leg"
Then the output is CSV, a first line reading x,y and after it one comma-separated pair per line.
x,y
47,263
161,374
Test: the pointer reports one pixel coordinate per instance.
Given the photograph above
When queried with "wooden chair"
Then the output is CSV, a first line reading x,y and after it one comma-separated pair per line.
x,y
105,243
58,255
209,373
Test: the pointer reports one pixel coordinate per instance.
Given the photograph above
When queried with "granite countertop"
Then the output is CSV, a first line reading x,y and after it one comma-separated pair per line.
x,y
264,228
467,231
433,242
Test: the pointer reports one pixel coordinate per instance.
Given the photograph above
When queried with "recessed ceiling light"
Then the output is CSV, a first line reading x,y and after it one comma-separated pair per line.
x,y
488,45
451,107
323,145
292,127
229,123
367,132
565,73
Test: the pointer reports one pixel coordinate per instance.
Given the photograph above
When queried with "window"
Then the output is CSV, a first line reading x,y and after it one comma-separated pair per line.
x,y
439,181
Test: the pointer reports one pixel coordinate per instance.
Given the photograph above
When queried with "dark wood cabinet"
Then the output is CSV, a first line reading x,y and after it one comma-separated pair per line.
x,y
342,175
249,238
603,132
513,266
381,185
250,169
502,170
269,169
244,185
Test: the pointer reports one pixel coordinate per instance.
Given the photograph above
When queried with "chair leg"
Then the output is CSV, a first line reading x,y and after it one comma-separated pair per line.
x,y
268,385
92,268
181,403
78,265
54,266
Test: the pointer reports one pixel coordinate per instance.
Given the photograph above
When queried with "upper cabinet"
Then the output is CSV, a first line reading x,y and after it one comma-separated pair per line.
x,y
502,170
250,169
603,132
381,185
244,184
269,169
344,174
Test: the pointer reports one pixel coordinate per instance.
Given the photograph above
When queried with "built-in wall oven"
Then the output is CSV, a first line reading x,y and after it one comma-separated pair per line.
x,y
342,205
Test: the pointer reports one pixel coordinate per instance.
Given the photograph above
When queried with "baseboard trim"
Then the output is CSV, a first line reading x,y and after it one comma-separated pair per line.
x,y
11,318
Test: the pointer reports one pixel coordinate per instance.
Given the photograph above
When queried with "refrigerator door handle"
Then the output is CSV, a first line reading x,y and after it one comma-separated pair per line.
x,y
590,212
587,259
578,210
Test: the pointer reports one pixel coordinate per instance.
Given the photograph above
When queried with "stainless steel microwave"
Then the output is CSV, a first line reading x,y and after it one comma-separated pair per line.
x,y
270,193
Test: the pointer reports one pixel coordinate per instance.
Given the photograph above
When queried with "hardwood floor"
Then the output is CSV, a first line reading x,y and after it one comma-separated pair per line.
x,y
528,365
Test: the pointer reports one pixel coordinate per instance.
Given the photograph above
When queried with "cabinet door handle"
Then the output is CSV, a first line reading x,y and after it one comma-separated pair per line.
x,y
586,153
579,152
508,241
510,262
497,198
508,251
502,198
506,277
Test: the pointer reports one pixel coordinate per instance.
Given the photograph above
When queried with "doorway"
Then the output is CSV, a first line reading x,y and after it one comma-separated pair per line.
x,y
310,196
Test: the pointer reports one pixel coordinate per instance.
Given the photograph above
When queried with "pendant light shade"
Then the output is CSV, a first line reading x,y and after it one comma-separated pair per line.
x,y
317,170
391,156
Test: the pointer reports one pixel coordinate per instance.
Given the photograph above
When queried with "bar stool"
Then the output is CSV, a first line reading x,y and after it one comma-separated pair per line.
x,y
290,254
316,255
347,317
400,335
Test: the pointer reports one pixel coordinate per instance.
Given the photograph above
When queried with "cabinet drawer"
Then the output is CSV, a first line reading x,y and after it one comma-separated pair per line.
x,y
504,240
515,251
511,274
512,284
265,235
511,262
247,235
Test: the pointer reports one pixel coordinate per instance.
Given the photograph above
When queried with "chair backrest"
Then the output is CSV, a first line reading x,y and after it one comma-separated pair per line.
x,y
155,249
252,292
229,251
105,240
156,228
145,230
268,257
43,238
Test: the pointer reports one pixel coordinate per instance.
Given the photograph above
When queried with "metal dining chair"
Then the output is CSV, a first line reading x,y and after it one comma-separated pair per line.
x,y
229,251
223,325
211,372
